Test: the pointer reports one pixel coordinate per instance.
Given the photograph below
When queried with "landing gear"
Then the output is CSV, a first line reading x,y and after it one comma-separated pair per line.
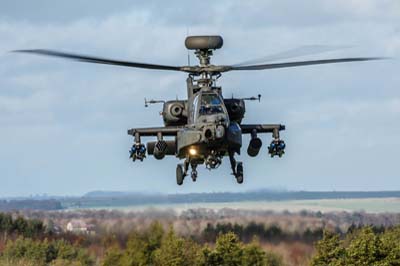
x,y
180,174
237,168
194,172
239,172
194,175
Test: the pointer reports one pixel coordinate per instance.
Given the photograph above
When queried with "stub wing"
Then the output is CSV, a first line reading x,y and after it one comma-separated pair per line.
x,y
262,128
154,131
277,146
158,148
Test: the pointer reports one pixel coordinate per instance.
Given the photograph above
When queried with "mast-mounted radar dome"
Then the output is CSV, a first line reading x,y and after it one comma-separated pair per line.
x,y
204,42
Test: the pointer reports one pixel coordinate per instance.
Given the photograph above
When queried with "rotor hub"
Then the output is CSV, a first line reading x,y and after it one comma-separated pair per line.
x,y
204,56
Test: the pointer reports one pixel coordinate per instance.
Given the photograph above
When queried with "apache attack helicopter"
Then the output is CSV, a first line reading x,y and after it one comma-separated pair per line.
x,y
205,127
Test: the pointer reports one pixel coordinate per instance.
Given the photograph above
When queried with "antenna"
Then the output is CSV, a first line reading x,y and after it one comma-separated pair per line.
x,y
253,98
148,102
188,54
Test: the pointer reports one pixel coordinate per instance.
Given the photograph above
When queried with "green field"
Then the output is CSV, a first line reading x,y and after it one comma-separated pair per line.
x,y
370,205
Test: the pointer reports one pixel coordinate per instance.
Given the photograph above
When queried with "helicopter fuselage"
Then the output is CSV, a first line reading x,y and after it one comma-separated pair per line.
x,y
210,133
206,127
206,131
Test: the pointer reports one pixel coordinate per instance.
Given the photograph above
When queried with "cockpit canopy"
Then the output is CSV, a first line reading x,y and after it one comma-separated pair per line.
x,y
210,104
209,107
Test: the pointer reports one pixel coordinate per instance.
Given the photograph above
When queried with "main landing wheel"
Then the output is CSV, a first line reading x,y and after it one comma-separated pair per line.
x,y
239,172
179,174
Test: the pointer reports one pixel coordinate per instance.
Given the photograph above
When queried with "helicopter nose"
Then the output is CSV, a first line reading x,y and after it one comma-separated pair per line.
x,y
212,132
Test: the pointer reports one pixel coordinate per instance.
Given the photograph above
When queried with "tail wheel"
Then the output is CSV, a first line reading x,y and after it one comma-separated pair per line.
x,y
194,175
239,173
179,174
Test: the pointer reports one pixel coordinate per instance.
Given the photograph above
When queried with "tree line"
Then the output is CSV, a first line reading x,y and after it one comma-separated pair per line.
x,y
20,226
29,243
360,246
158,247
272,233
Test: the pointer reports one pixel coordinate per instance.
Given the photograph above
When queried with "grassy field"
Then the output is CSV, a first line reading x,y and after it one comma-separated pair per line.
x,y
370,205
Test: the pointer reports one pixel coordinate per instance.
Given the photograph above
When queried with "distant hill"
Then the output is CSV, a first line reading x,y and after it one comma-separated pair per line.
x,y
109,194
249,195
96,199
115,198
28,204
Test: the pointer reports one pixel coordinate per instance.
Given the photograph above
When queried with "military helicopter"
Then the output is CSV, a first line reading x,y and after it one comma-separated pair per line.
x,y
205,127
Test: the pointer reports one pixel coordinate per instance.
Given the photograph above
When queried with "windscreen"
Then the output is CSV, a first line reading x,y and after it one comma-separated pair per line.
x,y
210,104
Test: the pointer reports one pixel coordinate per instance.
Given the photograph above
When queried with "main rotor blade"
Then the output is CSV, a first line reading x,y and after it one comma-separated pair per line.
x,y
303,63
296,52
98,60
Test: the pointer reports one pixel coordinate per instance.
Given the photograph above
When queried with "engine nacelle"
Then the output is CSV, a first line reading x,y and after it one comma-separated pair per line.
x,y
175,113
236,109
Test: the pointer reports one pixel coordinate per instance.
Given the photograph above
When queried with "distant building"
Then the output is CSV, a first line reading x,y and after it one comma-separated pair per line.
x,y
80,227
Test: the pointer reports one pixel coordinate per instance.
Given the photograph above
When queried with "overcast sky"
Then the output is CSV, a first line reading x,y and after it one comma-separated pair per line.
x,y
63,124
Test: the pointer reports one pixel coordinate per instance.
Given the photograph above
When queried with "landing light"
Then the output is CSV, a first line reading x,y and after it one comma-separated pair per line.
x,y
192,151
